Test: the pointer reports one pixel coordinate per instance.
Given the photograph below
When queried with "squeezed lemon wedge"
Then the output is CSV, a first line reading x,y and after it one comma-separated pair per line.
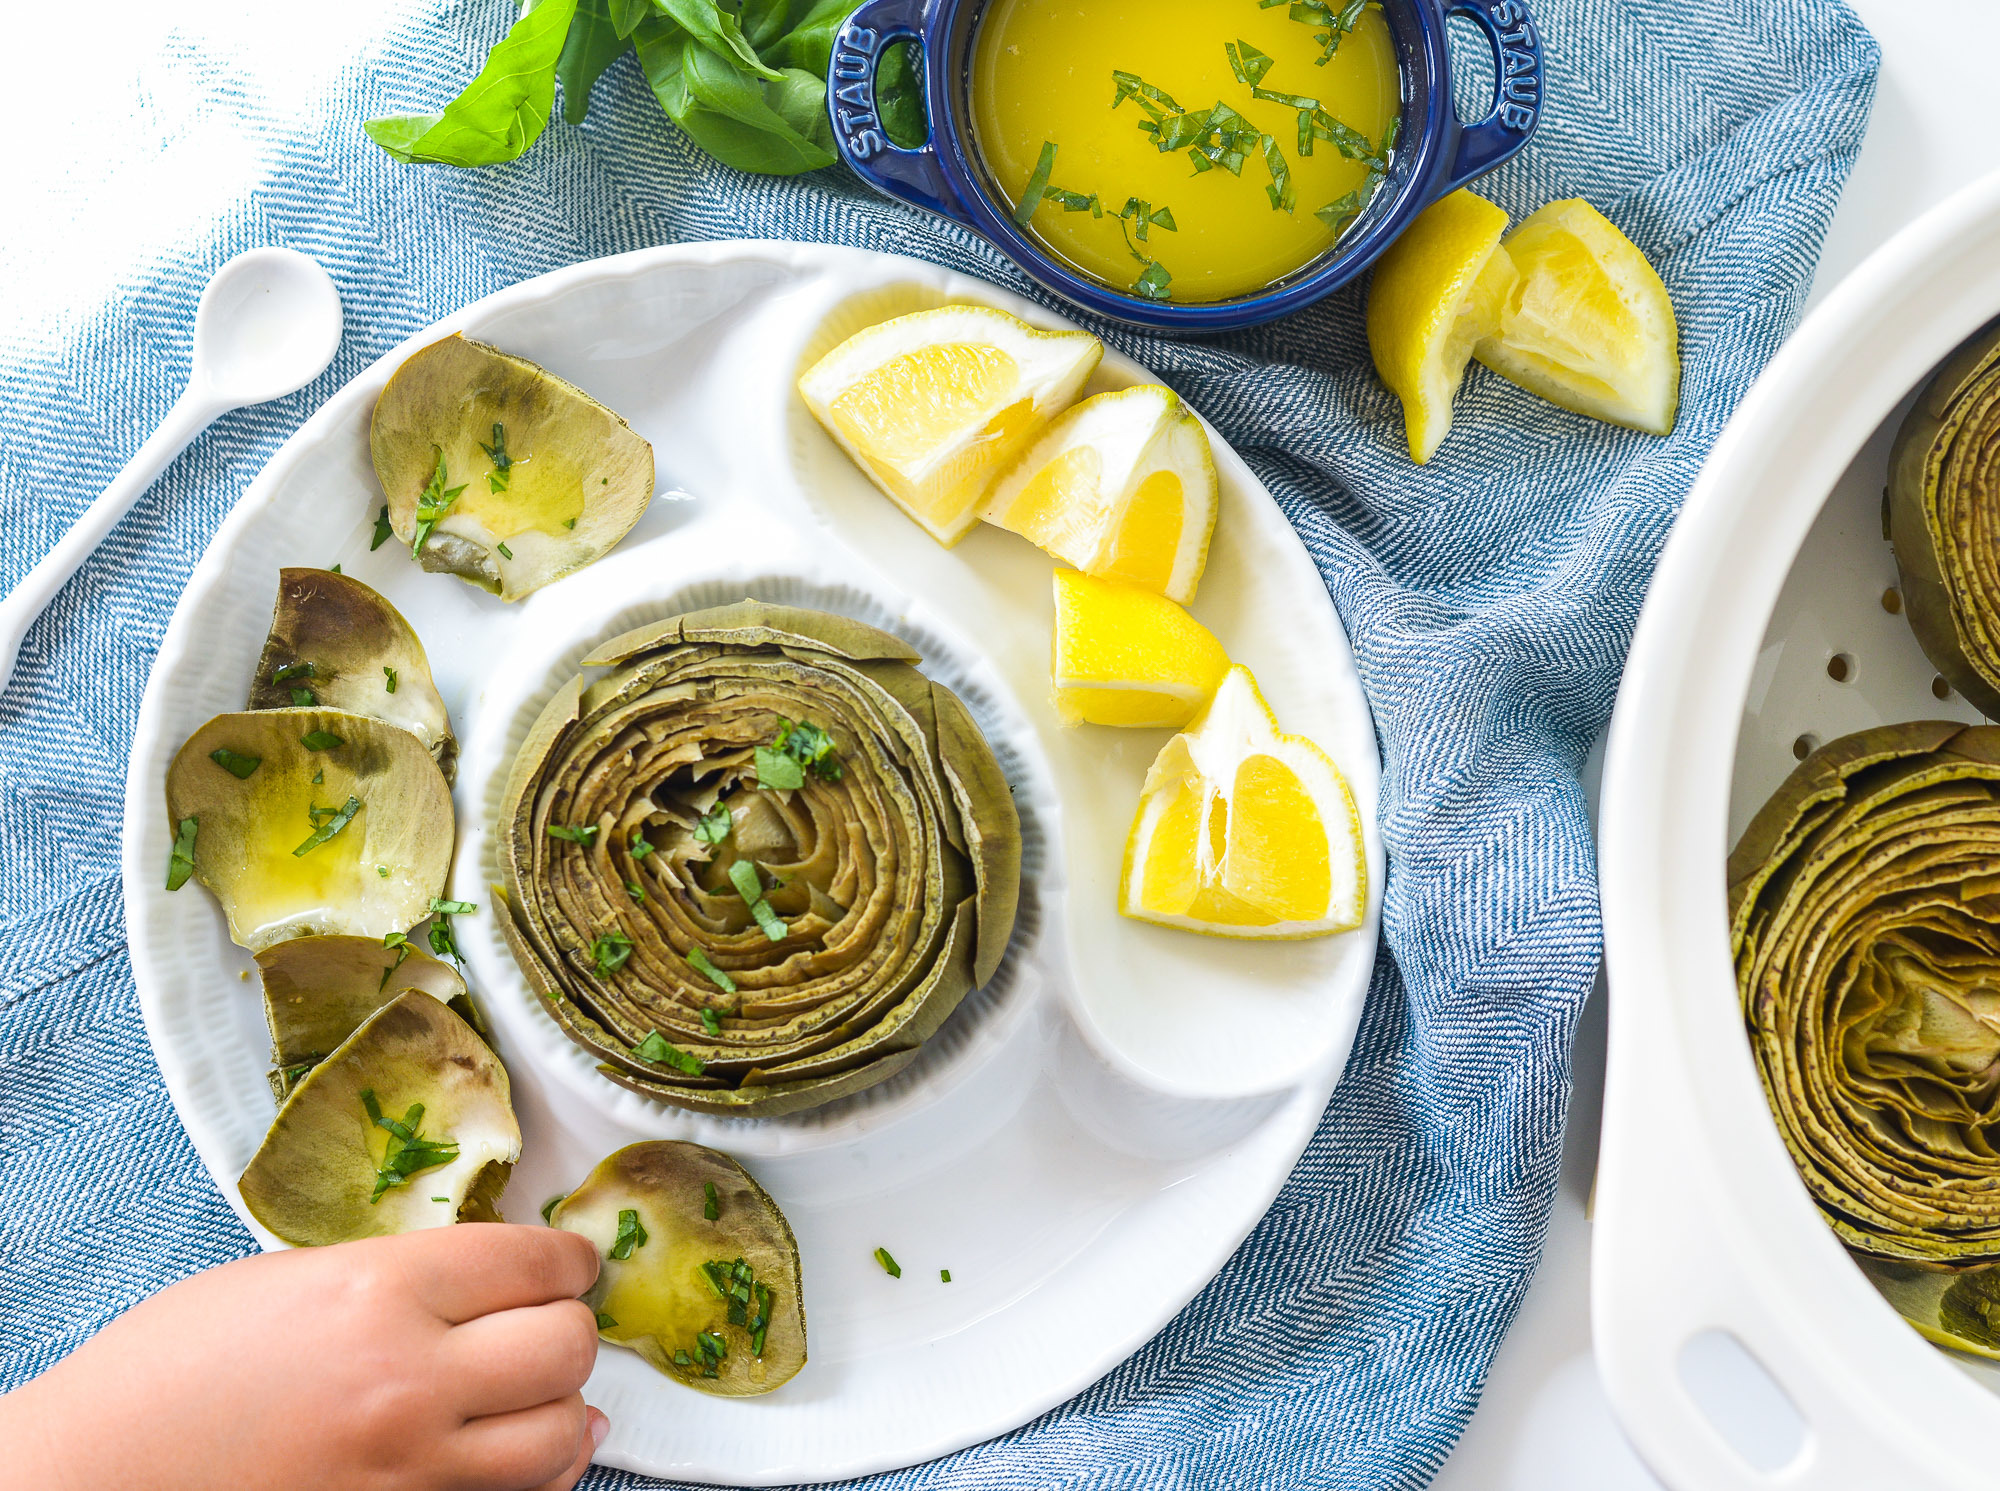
x,y
1244,831
1439,290
1123,486
1587,324
931,405
1126,655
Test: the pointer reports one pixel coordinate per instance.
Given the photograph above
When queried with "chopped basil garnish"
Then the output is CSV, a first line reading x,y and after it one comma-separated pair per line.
x,y
237,765
582,833
777,770
811,746
549,1207
698,960
641,845
383,529
606,1322
750,886
711,1209
443,942
332,824
657,1049
504,551
711,827
1038,185
631,1234
319,777
180,863
711,1021
383,871
889,1265
408,1152
388,679
609,953
1246,62
304,698
321,740
452,908
503,465
944,1276
1153,283
435,502
291,671
635,890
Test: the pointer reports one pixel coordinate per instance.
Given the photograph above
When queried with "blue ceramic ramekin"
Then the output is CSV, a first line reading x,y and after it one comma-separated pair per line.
x,y
1437,153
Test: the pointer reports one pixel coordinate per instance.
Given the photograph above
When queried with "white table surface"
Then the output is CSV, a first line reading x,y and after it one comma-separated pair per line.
x,y
1544,1424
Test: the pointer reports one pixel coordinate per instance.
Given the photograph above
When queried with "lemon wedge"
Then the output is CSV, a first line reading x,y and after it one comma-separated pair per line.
x,y
933,404
1244,831
1123,486
1126,655
1588,325
1440,289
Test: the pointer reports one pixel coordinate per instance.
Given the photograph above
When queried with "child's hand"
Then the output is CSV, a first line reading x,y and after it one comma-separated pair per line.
x,y
450,1358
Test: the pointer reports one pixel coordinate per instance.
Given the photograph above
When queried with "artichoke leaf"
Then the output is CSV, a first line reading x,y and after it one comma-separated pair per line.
x,y
329,1172
700,1273
788,918
343,826
1942,511
318,990
500,472
340,642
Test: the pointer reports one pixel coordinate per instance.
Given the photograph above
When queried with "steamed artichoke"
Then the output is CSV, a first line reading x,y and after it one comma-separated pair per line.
x,y
700,1272
407,1124
1942,513
1865,905
318,991
501,473
754,866
311,821
335,642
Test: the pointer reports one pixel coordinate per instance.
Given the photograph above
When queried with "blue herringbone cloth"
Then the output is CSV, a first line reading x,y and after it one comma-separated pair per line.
x,y
1489,595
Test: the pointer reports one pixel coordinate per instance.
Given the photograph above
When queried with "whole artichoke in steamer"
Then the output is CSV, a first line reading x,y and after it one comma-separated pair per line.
x,y
735,927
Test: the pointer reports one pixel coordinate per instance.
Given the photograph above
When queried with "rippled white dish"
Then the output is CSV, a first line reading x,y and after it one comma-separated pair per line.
x,y
1087,1141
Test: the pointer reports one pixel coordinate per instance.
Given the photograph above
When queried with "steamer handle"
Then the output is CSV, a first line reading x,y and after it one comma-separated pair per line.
x,y
1517,89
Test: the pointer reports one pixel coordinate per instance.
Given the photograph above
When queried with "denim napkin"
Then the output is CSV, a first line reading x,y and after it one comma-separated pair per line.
x,y
1490,597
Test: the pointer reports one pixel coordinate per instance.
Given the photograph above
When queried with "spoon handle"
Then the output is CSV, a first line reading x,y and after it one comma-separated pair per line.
x,y
192,413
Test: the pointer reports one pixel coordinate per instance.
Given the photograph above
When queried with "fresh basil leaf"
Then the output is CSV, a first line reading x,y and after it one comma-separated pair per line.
x,y
593,44
809,45
627,14
899,96
502,111
719,31
764,22
786,115
724,111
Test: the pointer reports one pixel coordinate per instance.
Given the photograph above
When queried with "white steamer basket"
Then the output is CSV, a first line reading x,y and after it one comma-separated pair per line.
x,y
1776,566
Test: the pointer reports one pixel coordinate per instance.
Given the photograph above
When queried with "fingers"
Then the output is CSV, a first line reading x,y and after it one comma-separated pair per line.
x,y
530,1447
518,1358
475,1268
593,1440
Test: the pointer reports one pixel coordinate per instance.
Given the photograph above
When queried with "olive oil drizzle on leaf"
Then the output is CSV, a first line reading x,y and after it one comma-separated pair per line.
x,y
334,820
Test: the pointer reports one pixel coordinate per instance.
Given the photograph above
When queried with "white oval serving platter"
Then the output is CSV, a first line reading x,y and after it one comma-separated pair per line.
x,y
1078,1146
1776,565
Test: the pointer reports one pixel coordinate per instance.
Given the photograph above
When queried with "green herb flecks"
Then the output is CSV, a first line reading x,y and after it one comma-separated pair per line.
x,y
400,942
747,1302
180,862
319,777
388,679
750,886
711,827
944,1276
236,764
606,1321
698,961
581,833
635,890
711,1208
609,952
304,698
657,1049
1284,196
810,746
1156,102
778,771
384,529
335,820
320,740
504,551
1246,62
1038,185
631,1234
1341,211
290,671
433,504
889,1265
503,465
641,845
710,1021
549,1207
408,1152
1153,282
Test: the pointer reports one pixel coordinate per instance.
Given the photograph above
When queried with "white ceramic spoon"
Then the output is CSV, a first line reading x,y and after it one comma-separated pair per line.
x,y
267,325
